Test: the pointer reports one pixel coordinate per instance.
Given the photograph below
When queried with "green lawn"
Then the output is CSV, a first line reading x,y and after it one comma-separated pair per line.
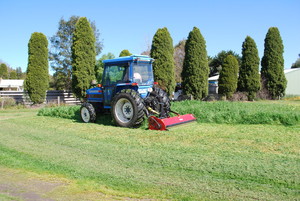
x,y
200,161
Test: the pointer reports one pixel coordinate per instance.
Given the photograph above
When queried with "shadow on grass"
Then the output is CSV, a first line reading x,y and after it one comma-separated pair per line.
x,y
104,119
73,113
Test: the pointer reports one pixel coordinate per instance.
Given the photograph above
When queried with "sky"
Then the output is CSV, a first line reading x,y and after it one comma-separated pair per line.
x,y
131,24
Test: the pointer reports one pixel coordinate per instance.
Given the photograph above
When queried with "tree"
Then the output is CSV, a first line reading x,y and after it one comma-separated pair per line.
x,y
20,74
228,76
100,66
60,53
272,71
83,57
249,78
179,54
37,75
297,63
163,66
195,66
124,53
3,71
13,75
217,62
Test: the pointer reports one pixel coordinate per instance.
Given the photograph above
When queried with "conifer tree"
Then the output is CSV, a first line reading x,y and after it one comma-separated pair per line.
x,y
163,66
195,66
272,71
37,75
124,53
249,79
228,77
83,57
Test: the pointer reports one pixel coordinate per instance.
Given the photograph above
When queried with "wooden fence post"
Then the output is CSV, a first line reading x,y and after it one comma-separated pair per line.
x,y
58,100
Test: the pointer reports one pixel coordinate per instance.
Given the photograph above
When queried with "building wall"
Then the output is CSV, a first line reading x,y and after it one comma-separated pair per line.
x,y
293,82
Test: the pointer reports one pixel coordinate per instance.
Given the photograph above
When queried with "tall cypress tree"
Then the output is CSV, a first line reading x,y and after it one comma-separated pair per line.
x,y
249,79
163,66
83,57
37,75
228,76
272,64
195,66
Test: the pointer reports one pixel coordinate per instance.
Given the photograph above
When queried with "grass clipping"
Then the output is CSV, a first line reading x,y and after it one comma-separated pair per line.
x,y
213,112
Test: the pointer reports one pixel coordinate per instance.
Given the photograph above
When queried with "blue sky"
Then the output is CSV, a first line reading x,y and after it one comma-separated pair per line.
x,y
132,24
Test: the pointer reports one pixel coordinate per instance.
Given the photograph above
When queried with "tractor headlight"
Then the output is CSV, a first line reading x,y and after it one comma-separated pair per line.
x,y
150,90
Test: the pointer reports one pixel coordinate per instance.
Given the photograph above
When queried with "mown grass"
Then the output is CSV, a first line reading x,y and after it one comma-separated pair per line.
x,y
204,161
221,112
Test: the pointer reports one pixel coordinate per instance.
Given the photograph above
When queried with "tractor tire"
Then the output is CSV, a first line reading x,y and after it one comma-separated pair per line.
x,y
159,101
87,113
128,108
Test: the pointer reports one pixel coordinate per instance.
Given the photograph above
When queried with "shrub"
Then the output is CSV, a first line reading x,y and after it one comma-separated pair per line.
x,y
7,102
239,96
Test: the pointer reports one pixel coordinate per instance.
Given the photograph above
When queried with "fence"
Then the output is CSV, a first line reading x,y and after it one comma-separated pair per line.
x,y
57,97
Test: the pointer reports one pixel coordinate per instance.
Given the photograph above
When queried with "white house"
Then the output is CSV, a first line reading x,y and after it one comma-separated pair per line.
x,y
11,85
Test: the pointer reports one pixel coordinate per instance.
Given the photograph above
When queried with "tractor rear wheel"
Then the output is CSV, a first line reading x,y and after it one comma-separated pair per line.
x,y
128,108
87,113
159,101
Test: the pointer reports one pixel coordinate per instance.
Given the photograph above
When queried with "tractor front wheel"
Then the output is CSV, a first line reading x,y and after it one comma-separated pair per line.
x,y
88,113
128,108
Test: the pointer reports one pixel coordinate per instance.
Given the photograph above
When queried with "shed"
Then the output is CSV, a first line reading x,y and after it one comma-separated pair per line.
x,y
293,81
11,85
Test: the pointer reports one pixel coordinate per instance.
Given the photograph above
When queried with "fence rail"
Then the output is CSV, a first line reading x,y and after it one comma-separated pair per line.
x,y
52,96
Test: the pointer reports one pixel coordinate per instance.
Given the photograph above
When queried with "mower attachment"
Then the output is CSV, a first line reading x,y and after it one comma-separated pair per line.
x,y
156,123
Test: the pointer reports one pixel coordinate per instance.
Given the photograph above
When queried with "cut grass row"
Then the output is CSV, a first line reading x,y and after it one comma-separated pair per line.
x,y
213,112
201,162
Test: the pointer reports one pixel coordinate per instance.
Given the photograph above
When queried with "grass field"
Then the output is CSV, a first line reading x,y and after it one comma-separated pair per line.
x,y
201,161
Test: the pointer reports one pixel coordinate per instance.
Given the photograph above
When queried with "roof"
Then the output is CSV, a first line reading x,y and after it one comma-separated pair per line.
x,y
216,77
11,83
129,58
290,70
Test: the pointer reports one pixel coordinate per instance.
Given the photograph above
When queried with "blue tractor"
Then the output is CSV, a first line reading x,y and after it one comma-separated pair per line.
x,y
129,93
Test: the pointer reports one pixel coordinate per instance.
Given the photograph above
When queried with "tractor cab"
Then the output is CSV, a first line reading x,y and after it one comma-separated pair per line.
x,y
131,72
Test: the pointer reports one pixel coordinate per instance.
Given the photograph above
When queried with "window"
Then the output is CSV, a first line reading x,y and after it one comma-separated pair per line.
x,y
115,74
142,73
